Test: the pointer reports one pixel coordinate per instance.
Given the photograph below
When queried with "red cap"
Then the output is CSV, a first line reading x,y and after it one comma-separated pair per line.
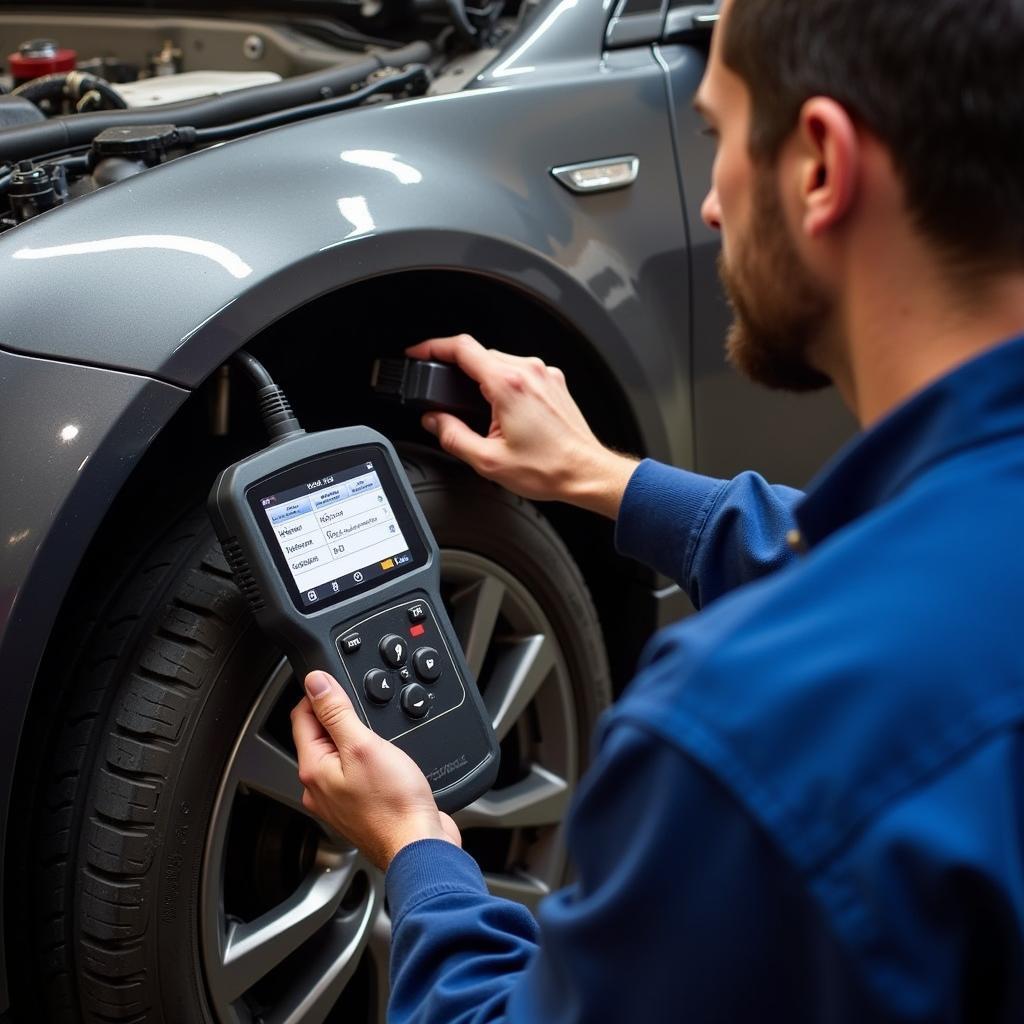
x,y
25,68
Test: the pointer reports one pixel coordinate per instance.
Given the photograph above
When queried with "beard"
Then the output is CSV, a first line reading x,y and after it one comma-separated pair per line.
x,y
781,314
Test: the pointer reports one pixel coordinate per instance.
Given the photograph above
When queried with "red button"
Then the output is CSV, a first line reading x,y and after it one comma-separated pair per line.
x,y
417,630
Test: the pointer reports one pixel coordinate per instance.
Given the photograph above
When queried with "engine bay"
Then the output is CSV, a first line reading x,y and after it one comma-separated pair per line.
x,y
90,98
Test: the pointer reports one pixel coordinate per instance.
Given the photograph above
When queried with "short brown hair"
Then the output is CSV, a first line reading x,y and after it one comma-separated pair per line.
x,y
938,81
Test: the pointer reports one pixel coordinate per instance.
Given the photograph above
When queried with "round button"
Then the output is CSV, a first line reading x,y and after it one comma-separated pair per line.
x,y
415,701
427,664
377,686
394,650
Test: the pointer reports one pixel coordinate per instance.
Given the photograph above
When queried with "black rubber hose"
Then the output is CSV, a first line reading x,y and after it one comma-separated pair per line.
x,y
99,85
60,133
257,124
74,84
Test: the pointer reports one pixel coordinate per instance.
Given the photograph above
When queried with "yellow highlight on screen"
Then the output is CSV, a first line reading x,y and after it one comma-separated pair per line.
x,y
388,563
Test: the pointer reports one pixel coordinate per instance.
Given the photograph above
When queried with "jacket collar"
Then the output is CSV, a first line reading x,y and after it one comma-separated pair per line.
x,y
978,403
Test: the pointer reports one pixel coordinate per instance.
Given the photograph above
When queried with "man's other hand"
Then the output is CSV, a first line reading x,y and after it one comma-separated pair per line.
x,y
539,445
360,785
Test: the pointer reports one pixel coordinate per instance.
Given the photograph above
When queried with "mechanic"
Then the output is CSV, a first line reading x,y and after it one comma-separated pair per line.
x,y
809,804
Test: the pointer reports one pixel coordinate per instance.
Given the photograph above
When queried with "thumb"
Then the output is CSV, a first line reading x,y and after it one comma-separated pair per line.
x,y
456,438
333,708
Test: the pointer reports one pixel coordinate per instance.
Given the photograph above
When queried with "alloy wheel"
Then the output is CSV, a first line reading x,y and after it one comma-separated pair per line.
x,y
293,921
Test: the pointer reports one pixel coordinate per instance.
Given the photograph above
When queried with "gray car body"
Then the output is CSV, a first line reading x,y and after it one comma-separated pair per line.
x,y
117,306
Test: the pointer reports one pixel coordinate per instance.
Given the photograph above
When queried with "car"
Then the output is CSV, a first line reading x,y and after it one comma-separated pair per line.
x,y
321,182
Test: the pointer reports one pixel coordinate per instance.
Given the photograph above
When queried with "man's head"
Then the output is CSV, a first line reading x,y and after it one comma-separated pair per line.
x,y
825,110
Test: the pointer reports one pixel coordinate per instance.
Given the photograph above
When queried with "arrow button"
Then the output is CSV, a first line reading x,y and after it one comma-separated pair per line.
x,y
414,701
393,650
377,686
427,663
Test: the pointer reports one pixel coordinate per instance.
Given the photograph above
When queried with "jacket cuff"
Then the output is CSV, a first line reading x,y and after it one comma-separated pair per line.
x,y
663,510
427,868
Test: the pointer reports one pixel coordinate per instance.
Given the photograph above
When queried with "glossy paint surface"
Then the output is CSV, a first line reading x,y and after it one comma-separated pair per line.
x,y
71,437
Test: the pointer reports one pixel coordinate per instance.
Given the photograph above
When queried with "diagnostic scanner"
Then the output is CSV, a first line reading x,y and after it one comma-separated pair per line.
x,y
330,547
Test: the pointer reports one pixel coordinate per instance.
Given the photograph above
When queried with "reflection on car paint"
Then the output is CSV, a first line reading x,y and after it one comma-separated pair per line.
x,y
357,213
230,261
378,160
508,66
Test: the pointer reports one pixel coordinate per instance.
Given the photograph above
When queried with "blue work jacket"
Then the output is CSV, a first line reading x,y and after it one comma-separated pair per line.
x,y
809,804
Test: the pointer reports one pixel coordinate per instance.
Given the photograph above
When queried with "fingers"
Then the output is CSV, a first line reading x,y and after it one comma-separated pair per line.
x,y
459,440
335,713
465,351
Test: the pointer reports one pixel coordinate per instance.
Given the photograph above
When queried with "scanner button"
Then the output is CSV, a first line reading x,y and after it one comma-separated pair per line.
x,y
417,612
377,686
415,701
427,663
351,644
394,650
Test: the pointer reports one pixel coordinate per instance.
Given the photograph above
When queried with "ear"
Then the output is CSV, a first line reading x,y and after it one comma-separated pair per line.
x,y
829,164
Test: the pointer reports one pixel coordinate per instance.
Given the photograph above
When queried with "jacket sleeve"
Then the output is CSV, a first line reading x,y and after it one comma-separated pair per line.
x,y
708,535
682,910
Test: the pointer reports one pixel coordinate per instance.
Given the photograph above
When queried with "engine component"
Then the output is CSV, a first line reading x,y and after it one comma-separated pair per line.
x,y
35,189
120,153
85,92
110,69
253,47
148,143
16,110
413,79
38,57
63,133
167,61
192,85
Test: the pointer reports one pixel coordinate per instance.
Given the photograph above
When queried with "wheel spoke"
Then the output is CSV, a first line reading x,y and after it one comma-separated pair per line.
x,y
516,679
520,887
255,948
269,769
379,949
542,798
325,976
476,609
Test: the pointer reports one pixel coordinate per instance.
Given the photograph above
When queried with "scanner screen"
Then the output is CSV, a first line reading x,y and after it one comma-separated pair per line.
x,y
336,532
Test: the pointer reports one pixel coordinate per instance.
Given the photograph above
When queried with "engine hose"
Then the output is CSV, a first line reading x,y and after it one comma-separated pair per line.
x,y
257,124
72,84
62,133
457,10
462,17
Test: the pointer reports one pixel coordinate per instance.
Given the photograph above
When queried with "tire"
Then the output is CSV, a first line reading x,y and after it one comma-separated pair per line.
x,y
157,841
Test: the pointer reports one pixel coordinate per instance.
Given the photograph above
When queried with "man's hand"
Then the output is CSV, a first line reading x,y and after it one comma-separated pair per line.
x,y
539,445
358,783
